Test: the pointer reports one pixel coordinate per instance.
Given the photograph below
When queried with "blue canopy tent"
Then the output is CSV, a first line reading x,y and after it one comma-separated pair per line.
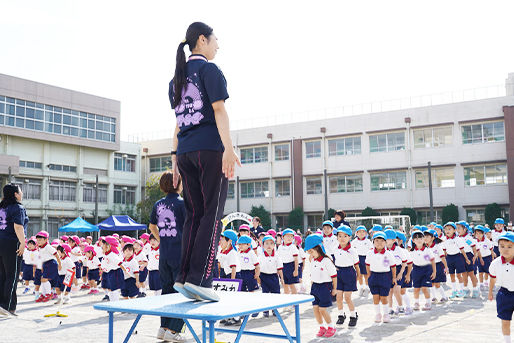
x,y
79,225
120,223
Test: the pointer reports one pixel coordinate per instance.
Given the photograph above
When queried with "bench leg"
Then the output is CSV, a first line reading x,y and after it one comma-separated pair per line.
x,y
242,328
204,331
297,322
212,339
132,328
193,331
111,324
284,327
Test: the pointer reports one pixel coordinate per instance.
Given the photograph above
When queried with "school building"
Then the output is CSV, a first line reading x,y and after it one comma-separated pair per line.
x,y
375,159
54,142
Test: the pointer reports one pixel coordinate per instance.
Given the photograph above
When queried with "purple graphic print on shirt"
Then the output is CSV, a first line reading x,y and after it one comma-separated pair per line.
x,y
188,111
3,219
166,221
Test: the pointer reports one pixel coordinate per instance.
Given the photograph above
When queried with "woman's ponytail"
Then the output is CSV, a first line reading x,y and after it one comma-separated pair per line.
x,y
194,31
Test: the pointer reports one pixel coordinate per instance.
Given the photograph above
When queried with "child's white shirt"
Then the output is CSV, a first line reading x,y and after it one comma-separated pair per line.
x,y
380,262
140,258
230,258
131,268
503,272
322,270
153,259
452,245
30,257
495,235
287,252
330,244
469,243
400,255
248,259
437,250
75,250
111,261
99,251
346,257
362,246
93,263
422,257
484,246
66,263
270,264
47,253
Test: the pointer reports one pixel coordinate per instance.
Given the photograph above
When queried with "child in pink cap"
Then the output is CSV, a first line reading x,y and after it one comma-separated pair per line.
x,y
111,267
67,264
92,264
50,262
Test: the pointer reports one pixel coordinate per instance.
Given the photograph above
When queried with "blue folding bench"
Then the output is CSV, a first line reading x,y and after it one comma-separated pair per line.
x,y
231,304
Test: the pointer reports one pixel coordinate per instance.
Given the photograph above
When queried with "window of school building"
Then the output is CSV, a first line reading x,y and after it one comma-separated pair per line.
x,y
314,221
282,152
344,146
282,188
254,189
387,142
475,215
31,188
313,149
63,190
34,226
386,181
254,155
485,175
345,183
30,164
423,216
231,190
160,164
89,193
313,185
125,195
62,167
434,137
281,221
124,162
483,132
441,178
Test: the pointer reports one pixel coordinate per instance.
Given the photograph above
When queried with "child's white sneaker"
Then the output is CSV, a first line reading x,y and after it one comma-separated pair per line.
x,y
67,300
378,318
386,318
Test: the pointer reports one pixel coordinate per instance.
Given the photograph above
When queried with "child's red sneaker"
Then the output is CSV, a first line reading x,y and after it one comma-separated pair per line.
x,y
321,331
46,298
40,299
330,332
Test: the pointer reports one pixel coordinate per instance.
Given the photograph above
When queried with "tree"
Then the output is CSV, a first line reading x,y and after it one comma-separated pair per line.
x,y
369,212
295,218
153,193
492,211
331,213
263,214
411,213
450,213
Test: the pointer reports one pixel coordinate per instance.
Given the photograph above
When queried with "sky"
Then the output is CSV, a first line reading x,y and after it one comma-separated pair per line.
x,y
280,58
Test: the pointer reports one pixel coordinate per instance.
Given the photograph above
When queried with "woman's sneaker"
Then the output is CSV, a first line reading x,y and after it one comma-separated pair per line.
x,y
341,319
160,333
321,332
205,293
173,337
353,320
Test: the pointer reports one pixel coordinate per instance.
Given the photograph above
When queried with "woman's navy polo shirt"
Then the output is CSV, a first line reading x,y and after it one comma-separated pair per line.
x,y
195,115
12,214
169,214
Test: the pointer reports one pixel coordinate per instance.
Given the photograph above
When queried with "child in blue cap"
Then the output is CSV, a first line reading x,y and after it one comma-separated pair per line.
x,y
501,271
456,258
485,248
249,264
423,270
324,283
329,238
381,269
433,243
347,262
288,252
401,260
230,264
472,254
499,229
401,240
362,245
271,266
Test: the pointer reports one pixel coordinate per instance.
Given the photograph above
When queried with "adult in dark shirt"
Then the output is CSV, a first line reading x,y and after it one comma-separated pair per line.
x,y
339,219
203,155
256,226
13,223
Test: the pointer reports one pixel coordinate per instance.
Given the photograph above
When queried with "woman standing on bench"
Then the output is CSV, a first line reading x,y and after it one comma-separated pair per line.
x,y
202,152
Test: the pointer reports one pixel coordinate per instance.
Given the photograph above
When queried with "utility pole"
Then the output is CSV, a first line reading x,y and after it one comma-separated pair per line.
x,y
96,201
430,191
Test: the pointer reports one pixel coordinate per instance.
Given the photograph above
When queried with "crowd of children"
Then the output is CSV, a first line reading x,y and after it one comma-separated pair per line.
x,y
381,261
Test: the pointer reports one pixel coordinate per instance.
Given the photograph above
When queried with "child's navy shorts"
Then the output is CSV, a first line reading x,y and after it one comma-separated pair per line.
x,y
421,276
380,283
456,263
143,274
362,264
496,251
51,272
405,284
249,282
105,280
481,268
504,303
398,268
300,270
346,279
322,294
93,274
470,267
115,279
270,283
440,276
84,271
129,289
28,272
61,285
154,280
288,270
37,277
